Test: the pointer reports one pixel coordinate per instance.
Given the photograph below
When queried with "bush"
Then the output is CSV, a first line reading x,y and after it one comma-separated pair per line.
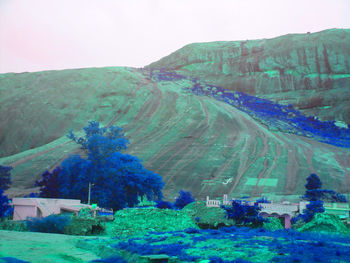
x,y
263,200
13,225
12,260
5,209
243,213
49,224
183,199
87,226
164,205
114,259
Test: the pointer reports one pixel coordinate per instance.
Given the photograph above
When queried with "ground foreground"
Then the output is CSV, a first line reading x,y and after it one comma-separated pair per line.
x,y
228,244
43,247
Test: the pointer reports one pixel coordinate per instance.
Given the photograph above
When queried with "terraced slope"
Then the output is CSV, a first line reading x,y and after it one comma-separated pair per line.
x,y
194,142
309,71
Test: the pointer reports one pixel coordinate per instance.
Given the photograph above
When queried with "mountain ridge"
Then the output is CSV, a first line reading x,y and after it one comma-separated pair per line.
x,y
289,69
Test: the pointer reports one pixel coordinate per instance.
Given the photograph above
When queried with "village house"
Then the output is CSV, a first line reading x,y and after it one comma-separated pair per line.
x,y
43,207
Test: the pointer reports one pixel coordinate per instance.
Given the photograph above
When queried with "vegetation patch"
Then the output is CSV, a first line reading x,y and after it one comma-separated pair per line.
x,y
234,244
136,221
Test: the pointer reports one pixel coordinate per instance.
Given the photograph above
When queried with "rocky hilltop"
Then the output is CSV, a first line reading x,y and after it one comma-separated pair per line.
x,y
196,143
309,71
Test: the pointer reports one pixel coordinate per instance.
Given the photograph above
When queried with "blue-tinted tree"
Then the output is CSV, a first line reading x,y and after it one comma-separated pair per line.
x,y
314,192
313,187
315,195
49,186
244,213
100,142
117,179
183,199
5,181
5,177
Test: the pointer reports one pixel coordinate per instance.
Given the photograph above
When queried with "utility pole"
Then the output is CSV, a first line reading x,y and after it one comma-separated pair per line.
x,y
90,184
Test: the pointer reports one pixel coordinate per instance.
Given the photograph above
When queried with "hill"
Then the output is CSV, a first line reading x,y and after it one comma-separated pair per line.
x,y
196,143
309,71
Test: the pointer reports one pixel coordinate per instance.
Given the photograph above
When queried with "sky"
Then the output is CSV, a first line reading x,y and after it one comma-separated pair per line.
x,y
37,35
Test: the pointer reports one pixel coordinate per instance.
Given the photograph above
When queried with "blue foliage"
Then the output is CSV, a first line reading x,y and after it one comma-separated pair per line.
x,y
164,75
183,199
5,177
313,182
316,196
117,183
114,259
5,208
118,180
215,259
100,142
244,213
315,206
32,195
282,117
191,230
164,205
74,178
49,185
49,224
286,245
12,260
263,200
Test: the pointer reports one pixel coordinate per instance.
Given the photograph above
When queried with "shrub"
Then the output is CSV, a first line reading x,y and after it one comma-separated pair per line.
x,y
114,259
84,226
183,199
12,260
13,225
315,206
263,200
244,213
164,205
49,224
5,208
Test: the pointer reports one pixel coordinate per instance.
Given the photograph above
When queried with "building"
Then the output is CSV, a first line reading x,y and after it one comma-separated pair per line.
x,y
288,210
43,207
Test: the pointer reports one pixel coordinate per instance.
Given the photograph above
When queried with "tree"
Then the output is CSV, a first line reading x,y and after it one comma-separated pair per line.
x,y
315,195
100,142
314,192
183,199
117,179
5,177
5,181
49,186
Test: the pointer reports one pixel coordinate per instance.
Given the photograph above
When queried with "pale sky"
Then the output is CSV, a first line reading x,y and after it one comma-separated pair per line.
x,y
38,35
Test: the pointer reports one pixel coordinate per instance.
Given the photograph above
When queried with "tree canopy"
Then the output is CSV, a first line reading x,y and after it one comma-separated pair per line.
x,y
117,179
